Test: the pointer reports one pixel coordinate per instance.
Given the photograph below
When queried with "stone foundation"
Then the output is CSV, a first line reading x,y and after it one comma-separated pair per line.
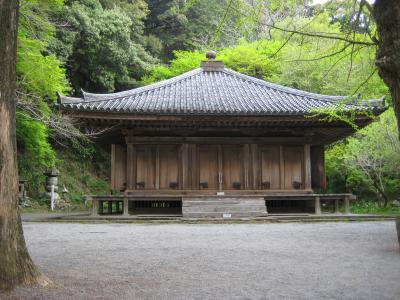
x,y
223,207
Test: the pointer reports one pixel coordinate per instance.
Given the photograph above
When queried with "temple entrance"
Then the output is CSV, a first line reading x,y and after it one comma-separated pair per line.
x,y
221,167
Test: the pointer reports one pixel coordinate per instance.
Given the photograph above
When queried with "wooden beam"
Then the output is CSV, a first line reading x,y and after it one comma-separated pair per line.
x,y
216,140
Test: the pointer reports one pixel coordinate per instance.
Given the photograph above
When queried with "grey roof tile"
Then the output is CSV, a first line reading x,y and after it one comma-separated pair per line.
x,y
221,91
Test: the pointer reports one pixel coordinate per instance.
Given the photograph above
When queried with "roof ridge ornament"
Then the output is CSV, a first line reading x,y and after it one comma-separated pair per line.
x,y
211,54
211,64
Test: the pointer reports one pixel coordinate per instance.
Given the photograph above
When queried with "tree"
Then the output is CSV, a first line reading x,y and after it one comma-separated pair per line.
x,y
379,23
103,47
192,25
375,152
387,17
16,266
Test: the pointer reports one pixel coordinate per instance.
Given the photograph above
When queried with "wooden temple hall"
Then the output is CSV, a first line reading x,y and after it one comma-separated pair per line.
x,y
213,142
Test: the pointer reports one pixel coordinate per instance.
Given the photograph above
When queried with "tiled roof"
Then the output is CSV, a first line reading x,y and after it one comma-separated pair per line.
x,y
213,92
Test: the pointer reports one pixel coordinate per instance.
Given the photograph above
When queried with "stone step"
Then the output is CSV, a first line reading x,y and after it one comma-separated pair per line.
x,y
223,208
215,207
221,202
209,214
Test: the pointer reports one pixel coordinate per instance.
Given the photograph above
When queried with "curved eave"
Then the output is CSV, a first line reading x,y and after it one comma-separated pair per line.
x,y
111,114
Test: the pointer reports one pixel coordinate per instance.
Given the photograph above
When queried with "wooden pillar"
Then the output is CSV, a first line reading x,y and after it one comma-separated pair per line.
x,y
307,167
254,166
346,204
281,168
95,208
126,207
157,175
246,166
220,166
130,167
113,166
184,178
317,205
336,206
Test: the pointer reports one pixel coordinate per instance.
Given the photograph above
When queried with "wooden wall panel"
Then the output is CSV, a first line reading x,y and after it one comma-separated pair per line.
x,y
318,176
232,167
118,167
293,166
270,167
146,166
208,165
169,166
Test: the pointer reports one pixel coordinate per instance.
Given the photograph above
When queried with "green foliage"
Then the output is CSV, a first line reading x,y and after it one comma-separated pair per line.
x,y
367,163
327,66
34,135
250,58
84,175
192,25
255,59
371,207
104,49
184,61
40,76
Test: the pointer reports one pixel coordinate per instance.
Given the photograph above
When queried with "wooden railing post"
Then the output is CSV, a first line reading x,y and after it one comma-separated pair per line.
x,y
95,208
317,205
346,204
336,206
126,207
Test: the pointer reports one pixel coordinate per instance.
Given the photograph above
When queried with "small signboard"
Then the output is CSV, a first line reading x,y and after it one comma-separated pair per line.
x,y
220,193
225,215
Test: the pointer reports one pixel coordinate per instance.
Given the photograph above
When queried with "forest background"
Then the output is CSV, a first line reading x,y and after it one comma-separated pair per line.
x,y
113,45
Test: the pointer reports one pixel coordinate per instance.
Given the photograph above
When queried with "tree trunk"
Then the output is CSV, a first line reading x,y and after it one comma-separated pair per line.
x,y
16,266
387,17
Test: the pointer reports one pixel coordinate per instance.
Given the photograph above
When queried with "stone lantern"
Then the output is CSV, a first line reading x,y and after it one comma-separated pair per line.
x,y
52,186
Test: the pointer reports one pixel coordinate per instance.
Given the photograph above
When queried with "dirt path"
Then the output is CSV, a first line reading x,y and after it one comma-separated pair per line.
x,y
226,261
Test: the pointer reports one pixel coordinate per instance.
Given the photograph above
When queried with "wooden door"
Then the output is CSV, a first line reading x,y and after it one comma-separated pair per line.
x,y
270,170
169,166
232,167
145,167
208,166
293,167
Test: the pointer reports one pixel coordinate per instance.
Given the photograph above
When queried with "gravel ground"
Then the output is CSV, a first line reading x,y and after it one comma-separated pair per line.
x,y
216,261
